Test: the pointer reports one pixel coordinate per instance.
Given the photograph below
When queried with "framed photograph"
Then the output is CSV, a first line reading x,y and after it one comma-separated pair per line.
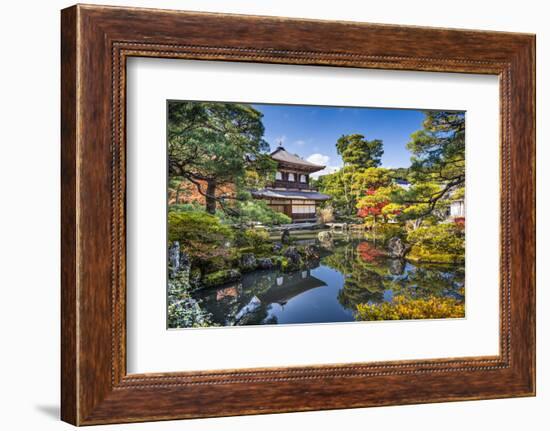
x,y
264,215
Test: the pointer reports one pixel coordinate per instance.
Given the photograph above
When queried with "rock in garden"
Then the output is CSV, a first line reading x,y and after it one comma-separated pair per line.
x,y
277,247
195,278
265,263
252,306
397,248
326,240
292,255
397,266
174,258
311,252
325,236
285,236
184,260
248,262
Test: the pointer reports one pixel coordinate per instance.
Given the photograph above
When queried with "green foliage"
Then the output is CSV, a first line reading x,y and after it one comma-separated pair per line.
x,y
403,308
253,240
216,144
288,265
189,207
425,200
251,237
368,274
183,310
358,151
371,178
382,232
458,194
439,147
360,157
400,173
425,281
197,227
337,186
347,186
364,281
250,211
201,235
442,242
438,165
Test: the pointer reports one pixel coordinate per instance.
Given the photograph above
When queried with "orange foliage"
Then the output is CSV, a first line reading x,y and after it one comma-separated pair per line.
x,y
188,192
368,252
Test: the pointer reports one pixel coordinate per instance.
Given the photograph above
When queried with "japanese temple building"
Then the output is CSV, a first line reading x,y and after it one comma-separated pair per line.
x,y
291,193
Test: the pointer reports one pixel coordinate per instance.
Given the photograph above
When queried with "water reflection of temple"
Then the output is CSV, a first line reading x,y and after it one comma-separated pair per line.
x,y
287,286
249,301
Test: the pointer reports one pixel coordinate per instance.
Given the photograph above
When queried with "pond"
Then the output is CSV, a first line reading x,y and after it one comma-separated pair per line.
x,y
350,272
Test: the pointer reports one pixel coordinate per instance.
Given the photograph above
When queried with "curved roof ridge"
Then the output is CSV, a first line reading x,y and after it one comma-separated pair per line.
x,y
282,155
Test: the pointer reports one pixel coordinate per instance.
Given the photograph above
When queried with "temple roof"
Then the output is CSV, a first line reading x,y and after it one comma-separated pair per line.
x,y
289,194
295,285
282,155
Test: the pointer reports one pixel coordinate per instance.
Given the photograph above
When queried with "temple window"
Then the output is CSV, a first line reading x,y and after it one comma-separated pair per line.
x,y
291,177
303,209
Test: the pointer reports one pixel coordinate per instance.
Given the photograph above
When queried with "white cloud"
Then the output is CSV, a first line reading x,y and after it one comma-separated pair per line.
x,y
319,159
328,170
300,142
322,159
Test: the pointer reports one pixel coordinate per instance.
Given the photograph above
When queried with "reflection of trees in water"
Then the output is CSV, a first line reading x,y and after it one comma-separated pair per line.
x,y
367,276
363,281
424,282
367,286
366,279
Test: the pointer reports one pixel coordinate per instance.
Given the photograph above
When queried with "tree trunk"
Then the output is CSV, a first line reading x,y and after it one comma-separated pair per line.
x,y
211,197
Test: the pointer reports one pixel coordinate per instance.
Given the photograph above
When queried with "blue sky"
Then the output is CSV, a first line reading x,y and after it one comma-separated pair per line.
x,y
312,131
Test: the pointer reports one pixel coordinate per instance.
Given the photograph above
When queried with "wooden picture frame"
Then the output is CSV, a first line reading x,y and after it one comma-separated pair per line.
x,y
95,42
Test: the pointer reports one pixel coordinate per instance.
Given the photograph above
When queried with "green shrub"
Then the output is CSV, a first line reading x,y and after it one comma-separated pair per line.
x,y
202,236
276,259
187,207
438,243
288,265
183,310
251,237
192,226
385,231
285,264
221,277
258,211
405,309
217,263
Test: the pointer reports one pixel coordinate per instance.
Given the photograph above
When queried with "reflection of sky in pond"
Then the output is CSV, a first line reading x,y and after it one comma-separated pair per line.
x,y
330,292
316,305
